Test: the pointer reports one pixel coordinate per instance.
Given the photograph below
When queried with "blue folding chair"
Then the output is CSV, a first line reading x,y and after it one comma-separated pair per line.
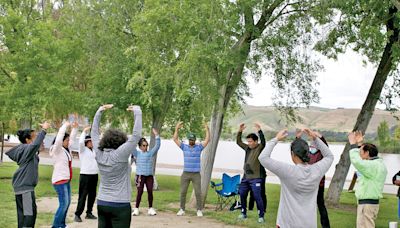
x,y
227,191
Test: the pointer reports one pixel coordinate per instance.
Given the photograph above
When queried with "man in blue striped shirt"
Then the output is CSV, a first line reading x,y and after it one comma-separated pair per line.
x,y
191,170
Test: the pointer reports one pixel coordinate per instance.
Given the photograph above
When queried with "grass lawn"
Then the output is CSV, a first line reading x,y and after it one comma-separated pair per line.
x,y
342,217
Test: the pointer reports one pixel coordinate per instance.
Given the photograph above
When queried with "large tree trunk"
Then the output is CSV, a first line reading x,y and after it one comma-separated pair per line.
x,y
384,68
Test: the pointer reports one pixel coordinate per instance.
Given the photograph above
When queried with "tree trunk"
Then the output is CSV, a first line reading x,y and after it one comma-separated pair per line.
x,y
384,68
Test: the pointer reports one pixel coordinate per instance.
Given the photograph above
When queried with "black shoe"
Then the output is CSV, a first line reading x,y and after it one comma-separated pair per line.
x,y
77,219
90,216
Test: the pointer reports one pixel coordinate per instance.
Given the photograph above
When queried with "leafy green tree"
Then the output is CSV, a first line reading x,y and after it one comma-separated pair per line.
x,y
383,133
372,29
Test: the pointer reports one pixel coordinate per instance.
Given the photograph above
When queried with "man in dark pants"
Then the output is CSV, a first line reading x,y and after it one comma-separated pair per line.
x,y
263,196
254,172
88,177
315,156
26,177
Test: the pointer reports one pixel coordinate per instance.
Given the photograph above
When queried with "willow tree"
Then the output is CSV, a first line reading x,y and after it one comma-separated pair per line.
x,y
269,38
372,29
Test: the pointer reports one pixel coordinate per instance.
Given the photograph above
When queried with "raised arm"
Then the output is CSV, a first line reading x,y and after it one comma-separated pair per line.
x,y
178,126
35,145
82,139
207,139
156,147
95,132
124,151
239,137
355,139
281,169
58,143
261,134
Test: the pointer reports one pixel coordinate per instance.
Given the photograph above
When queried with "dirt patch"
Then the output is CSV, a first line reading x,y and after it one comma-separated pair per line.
x,y
162,219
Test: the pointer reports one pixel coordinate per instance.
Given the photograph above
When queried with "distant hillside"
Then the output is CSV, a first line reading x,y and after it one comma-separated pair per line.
x,y
336,120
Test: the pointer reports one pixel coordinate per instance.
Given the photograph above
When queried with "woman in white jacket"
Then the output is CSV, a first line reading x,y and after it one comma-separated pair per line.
x,y
62,172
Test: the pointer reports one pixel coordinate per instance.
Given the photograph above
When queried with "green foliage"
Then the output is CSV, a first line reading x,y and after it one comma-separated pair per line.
x,y
383,133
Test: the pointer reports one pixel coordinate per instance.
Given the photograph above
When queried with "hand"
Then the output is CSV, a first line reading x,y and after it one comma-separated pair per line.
x,y
133,108
67,123
45,125
106,106
86,129
155,132
242,127
179,125
299,133
257,126
205,125
310,133
281,135
75,124
359,137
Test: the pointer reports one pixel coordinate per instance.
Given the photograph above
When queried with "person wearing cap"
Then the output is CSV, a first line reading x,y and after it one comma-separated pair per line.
x,y
254,173
191,167
299,181
364,157
88,177
26,177
315,155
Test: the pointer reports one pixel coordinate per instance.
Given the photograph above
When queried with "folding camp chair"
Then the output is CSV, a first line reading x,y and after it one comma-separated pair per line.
x,y
227,191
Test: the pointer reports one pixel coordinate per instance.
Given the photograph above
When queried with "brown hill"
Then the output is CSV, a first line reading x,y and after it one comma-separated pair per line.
x,y
337,120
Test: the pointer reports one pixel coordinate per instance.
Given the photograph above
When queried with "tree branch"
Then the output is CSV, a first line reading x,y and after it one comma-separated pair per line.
x,y
396,3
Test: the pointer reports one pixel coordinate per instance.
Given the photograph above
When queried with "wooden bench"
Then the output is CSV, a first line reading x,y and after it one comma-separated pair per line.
x,y
75,154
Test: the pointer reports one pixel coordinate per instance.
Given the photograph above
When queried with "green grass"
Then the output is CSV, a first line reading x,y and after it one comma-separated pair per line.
x,y
167,199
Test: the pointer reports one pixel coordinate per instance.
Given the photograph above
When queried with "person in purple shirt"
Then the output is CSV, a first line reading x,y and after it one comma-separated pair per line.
x,y
191,170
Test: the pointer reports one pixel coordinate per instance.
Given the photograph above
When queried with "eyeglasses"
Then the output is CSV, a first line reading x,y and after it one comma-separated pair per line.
x,y
145,145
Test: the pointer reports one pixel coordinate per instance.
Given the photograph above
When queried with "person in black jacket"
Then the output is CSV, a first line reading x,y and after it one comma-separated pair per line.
x,y
25,178
396,181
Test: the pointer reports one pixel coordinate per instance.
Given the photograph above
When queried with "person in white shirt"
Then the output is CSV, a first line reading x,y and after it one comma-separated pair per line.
x,y
88,177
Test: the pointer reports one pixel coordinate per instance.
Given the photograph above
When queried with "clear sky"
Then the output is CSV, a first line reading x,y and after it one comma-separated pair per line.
x,y
344,83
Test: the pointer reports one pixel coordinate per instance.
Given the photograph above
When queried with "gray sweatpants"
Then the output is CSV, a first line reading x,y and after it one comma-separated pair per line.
x,y
185,181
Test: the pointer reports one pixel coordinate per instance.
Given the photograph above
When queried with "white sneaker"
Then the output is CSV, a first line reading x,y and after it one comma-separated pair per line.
x,y
180,212
199,213
151,211
135,211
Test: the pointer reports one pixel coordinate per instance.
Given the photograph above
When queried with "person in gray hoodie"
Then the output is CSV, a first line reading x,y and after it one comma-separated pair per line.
x,y
112,155
25,178
299,181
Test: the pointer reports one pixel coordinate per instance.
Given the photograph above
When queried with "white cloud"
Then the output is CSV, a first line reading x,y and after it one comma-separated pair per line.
x,y
344,83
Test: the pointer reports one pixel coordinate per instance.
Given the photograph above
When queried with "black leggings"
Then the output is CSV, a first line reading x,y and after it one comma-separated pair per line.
x,y
114,217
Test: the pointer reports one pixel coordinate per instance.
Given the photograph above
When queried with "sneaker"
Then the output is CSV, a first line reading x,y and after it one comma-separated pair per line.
x,y
261,220
77,219
199,213
180,212
135,211
90,216
242,217
151,211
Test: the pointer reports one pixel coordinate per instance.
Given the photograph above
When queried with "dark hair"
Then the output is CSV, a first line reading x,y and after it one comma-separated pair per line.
x,y
300,148
24,134
371,148
87,139
112,139
141,141
66,135
252,136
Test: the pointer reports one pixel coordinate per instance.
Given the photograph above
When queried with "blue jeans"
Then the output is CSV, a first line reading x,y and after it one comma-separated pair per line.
x,y
64,200
255,186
